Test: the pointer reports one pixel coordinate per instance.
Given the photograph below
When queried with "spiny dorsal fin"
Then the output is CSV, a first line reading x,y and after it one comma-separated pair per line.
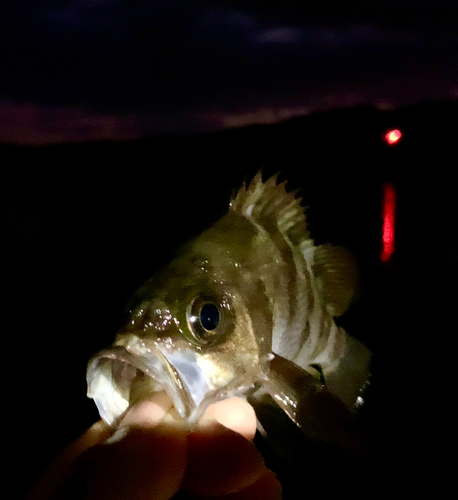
x,y
270,204
336,275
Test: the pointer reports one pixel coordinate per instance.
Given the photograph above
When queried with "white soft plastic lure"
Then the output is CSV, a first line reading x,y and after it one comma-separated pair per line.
x,y
247,307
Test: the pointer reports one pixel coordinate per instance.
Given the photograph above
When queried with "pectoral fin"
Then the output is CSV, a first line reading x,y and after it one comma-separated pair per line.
x,y
336,276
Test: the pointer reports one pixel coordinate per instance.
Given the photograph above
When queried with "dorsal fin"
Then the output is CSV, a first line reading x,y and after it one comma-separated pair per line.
x,y
270,205
336,275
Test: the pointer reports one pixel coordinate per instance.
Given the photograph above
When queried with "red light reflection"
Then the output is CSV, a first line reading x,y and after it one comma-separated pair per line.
x,y
389,212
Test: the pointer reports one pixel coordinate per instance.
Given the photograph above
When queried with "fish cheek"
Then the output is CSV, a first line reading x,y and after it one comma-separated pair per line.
x,y
238,356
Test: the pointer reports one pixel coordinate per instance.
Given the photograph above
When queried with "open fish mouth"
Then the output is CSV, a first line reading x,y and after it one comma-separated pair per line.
x,y
117,379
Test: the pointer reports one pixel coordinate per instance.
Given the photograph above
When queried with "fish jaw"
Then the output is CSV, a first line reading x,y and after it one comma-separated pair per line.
x,y
121,376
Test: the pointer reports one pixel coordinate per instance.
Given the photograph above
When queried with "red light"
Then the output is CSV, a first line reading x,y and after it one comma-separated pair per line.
x,y
393,136
389,211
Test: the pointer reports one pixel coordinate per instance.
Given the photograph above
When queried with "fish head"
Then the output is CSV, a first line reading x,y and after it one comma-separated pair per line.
x,y
200,329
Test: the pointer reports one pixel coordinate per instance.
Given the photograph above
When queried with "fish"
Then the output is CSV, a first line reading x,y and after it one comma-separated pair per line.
x,y
245,309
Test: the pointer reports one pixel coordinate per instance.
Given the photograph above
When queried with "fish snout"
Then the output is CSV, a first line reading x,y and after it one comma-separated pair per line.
x,y
149,320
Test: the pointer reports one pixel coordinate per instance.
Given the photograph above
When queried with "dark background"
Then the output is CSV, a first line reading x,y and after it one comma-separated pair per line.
x,y
82,226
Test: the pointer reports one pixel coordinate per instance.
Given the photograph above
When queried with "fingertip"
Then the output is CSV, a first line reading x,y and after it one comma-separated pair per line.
x,y
149,414
235,414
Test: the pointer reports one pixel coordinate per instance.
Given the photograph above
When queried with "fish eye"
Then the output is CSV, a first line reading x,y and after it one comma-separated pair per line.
x,y
205,320
209,316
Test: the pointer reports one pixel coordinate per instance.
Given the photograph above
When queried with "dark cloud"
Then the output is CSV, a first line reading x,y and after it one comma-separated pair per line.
x,y
163,60
401,13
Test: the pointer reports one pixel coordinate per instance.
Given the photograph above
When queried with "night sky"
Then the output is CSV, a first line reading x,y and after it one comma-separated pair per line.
x,y
112,69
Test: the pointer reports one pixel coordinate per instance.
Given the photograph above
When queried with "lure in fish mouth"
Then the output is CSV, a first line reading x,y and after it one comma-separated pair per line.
x,y
246,308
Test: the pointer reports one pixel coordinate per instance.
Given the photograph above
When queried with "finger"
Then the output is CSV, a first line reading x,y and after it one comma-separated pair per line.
x,y
235,414
147,414
220,461
145,458
267,487
144,461
63,466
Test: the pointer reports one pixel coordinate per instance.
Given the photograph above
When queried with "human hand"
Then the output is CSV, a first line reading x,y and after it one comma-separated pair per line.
x,y
153,455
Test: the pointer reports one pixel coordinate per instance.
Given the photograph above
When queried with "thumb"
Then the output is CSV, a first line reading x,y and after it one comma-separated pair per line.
x,y
63,466
142,460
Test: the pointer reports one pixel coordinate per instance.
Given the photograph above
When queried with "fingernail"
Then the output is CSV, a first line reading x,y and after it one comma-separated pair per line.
x,y
235,414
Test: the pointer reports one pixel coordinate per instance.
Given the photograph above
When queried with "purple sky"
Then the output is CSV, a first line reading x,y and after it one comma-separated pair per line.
x,y
113,69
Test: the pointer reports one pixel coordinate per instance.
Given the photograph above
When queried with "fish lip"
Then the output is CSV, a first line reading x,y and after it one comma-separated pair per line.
x,y
111,373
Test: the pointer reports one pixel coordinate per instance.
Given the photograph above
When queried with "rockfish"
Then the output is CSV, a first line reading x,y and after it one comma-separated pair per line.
x,y
245,309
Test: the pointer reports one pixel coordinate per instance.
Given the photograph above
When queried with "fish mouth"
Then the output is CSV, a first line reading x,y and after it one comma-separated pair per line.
x,y
117,379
